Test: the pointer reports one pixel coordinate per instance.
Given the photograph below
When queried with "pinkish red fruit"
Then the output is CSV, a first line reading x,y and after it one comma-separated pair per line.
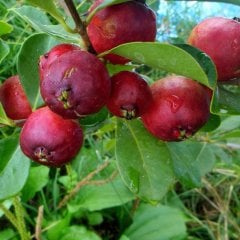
x,y
180,108
48,58
49,139
220,38
14,99
121,23
76,84
130,95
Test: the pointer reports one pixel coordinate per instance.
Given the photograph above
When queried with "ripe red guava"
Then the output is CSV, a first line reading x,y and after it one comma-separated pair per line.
x,y
14,99
76,84
49,139
219,38
180,108
121,23
48,58
130,95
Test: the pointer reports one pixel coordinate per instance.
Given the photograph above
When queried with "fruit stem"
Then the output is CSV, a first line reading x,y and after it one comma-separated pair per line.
x,y
80,26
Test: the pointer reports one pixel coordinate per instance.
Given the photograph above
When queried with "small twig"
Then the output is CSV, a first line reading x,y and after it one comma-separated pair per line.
x,y
38,228
104,181
83,182
80,26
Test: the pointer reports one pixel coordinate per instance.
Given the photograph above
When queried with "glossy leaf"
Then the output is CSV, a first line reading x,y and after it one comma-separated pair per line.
x,y
39,21
96,198
27,64
50,7
4,50
143,161
14,174
157,223
213,122
167,57
191,161
37,179
7,147
78,232
4,120
5,28
225,102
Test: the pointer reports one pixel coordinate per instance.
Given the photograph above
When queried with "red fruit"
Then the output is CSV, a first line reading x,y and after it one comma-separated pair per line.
x,y
49,139
130,95
220,38
180,108
48,58
122,23
76,84
14,99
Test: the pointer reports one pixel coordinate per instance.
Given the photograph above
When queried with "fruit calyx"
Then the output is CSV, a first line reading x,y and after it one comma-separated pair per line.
x,y
42,154
64,98
129,112
182,133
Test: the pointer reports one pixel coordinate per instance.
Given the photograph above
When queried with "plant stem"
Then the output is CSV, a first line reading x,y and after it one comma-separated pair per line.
x,y
80,26
9,216
82,183
38,228
19,211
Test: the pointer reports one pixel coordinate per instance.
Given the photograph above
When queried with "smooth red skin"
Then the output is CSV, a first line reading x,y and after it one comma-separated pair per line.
x,y
121,23
89,83
62,138
178,103
14,99
48,58
220,38
129,89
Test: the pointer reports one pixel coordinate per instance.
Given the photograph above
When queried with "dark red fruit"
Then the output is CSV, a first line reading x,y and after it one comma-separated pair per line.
x,y
220,38
122,23
48,58
76,84
130,95
14,99
49,139
180,108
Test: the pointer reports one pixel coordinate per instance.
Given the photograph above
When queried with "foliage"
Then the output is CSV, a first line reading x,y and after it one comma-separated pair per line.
x,y
124,184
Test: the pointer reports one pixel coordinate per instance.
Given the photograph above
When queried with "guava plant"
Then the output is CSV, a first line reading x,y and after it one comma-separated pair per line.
x,y
88,139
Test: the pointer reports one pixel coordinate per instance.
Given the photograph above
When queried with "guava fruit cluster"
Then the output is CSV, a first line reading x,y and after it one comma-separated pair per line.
x,y
75,83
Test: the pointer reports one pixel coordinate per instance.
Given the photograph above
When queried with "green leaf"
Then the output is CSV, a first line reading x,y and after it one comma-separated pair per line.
x,y
225,102
8,234
14,175
50,7
4,120
78,232
37,179
39,21
167,57
213,122
191,161
96,198
5,28
27,64
157,223
143,161
204,61
7,147
4,50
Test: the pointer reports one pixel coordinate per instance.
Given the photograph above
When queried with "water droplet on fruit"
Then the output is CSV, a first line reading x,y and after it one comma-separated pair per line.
x,y
175,102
